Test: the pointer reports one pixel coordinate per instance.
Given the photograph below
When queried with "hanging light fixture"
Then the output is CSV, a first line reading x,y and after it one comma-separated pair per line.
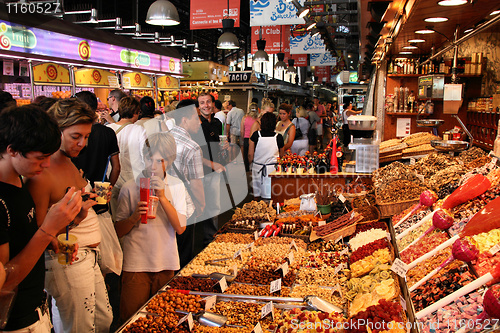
x,y
261,54
281,64
301,11
228,40
162,12
291,69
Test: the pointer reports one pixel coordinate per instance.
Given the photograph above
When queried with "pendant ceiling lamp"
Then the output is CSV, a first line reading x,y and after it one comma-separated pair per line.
x,y
291,69
162,12
228,40
281,64
261,54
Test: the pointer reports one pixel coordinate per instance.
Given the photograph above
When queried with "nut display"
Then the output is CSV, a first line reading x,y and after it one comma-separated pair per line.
x,y
171,300
265,276
392,172
256,211
326,246
309,321
151,323
331,295
399,190
471,154
322,277
244,313
194,284
234,238
248,289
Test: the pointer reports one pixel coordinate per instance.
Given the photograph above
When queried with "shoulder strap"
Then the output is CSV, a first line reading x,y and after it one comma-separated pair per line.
x,y
183,179
121,127
6,211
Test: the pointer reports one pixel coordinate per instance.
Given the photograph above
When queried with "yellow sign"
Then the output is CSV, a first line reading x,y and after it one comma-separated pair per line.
x,y
138,80
167,82
205,71
93,77
51,73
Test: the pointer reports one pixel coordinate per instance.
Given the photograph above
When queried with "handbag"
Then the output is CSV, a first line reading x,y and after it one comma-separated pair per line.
x,y
110,251
298,131
312,135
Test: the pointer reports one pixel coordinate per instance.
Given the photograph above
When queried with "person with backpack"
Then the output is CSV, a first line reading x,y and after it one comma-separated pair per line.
x,y
300,144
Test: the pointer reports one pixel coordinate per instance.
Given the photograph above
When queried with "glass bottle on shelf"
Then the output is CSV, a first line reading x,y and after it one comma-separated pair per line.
x,y
390,70
396,99
401,99
405,99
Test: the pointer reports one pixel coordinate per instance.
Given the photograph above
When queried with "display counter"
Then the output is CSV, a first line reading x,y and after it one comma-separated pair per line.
x,y
291,185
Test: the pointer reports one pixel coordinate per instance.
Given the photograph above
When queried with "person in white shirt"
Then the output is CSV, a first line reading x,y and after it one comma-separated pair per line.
x,y
219,113
150,254
233,122
131,138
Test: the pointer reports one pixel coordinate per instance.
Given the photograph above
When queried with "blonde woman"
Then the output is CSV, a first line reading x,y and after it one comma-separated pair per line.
x,y
245,129
80,295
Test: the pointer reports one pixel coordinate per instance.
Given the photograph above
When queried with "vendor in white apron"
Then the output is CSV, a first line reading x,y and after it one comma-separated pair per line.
x,y
265,147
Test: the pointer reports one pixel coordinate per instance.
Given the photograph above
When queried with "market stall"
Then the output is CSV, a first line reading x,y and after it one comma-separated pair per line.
x,y
138,84
168,90
203,76
243,86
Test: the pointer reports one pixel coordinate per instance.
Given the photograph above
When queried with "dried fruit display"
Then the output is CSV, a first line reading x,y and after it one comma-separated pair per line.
x,y
331,295
367,226
412,235
399,190
364,200
471,154
244,313
394,171
419,138
478,162
248,289
443,177
368,263
323,259
326,246
368,249
379,317
432,163
423,246
322,277
366,237
256,211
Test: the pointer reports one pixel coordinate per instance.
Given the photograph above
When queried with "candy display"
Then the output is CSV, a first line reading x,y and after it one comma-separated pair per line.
x,y
297,320
383,316
439,286
423,246
422,269
414,219
412,235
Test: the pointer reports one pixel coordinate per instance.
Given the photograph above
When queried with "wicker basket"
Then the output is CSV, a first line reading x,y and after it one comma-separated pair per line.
x,y
393,208
374,210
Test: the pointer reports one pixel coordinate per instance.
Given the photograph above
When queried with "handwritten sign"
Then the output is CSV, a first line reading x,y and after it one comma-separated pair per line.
x,y
210,302
189,319
223,284
342,198
399,267
275,286
267,309
237,254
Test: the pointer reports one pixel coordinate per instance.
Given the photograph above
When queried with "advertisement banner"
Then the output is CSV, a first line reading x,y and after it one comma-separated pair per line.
x,y
300,60
51,73
274,12
322,74
19,38
306,44
209,14
271,34
323,59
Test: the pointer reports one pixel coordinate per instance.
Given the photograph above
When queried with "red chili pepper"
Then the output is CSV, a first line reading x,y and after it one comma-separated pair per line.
x,y
474,187
485,220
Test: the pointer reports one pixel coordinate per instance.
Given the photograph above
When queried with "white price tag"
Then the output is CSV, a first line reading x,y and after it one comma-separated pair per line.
x,y
256,235
210,302
267,309
399,267
291,257
257,329
421,178
339,289
237,254
412,161
320,223
190,321
275,286
495,249
338,268
388,237
342,198
403,302
284,269
223,284
293,245
234,269
338,239
250,246
344,251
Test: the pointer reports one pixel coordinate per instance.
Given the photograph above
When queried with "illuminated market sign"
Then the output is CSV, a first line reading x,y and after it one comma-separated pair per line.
x,y
19,38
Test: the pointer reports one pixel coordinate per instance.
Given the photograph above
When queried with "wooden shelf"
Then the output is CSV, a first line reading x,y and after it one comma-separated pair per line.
x,y
445,75
401,114
404,75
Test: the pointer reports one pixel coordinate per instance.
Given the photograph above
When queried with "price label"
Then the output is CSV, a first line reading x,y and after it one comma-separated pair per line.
x,y
223,284
344,251
338,239
113,81
338,268
388,237
293,245
234,269
237,254
284,269
399,267
339,289
256,235
275,286
412,161
189,319
403,302
421,178
291,257
210,302
267,309
320,223
495,249
342,198
257,329
250,246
